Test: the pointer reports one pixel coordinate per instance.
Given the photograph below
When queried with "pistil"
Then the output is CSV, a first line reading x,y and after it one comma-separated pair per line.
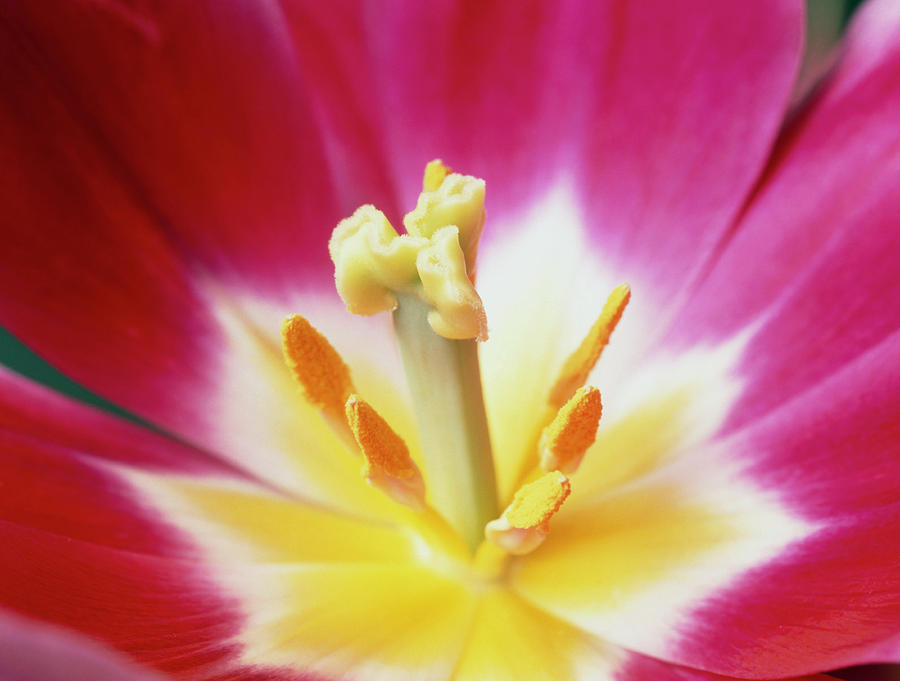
x,y
426,278
445,381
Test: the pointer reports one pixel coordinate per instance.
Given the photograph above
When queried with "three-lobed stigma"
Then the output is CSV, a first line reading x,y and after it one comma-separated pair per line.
x,y
434,261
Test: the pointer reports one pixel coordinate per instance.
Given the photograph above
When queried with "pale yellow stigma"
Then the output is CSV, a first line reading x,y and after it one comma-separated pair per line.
x,y
374,266
524,524
459,201
580,363
567,438
458,312
435,172
388,465
372,263
315,364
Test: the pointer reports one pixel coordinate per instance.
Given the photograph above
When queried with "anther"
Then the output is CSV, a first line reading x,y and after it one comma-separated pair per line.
x,y
316,365
388,465
574,429
580,363
525,523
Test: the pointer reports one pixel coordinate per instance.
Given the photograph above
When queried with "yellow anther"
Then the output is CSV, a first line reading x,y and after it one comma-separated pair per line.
x,y
457,308
566,439
316,365
535,503
525,523
372,262
580,363
435,172
459,201
388,465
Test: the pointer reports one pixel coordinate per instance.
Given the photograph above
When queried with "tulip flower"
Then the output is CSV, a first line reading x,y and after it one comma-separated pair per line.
x,y
611,392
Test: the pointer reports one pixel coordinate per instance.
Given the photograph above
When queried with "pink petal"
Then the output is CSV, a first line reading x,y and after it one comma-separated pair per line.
x,y
812,265
846,302
826,203
684,110
333,49
36,652
833,599
636,103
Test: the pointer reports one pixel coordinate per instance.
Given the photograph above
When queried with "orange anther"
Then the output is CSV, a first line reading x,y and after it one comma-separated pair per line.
x,y
525,523
580,363
566,439
388,465
316,365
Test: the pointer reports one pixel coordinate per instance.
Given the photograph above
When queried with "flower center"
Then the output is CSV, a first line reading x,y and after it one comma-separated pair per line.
x,y
426,279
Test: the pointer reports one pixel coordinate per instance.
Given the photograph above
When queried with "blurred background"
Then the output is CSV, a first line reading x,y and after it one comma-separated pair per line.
x,y
826,22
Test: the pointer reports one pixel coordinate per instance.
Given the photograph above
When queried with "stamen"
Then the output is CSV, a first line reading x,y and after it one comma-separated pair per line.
x,y
525,523
567,438
388,465
316,365
580,363
435,172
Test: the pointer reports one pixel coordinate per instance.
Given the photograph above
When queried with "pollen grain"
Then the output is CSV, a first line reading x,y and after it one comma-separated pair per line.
x,y
382,448
535,503
525,523
315,364
572,431
388,465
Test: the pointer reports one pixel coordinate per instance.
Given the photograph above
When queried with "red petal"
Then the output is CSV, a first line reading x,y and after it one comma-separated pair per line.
x,y
642,668
85,551
30,651
195,111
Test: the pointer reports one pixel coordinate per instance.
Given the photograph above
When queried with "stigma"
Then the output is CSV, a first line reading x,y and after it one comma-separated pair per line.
x,y
434,261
